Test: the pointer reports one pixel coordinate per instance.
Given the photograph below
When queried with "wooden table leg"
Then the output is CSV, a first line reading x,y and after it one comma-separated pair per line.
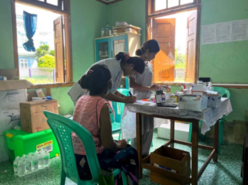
x,y
216,141
172,132
139,141
195,125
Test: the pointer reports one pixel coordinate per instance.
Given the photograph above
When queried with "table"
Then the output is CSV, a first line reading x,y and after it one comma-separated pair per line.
x,y
181,115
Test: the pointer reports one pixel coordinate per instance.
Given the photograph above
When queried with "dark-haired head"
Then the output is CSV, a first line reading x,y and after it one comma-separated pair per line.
x,y
97,80
149,50
130,65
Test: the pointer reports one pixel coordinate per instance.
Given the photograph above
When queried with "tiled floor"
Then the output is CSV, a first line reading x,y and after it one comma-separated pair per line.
x,y
225,172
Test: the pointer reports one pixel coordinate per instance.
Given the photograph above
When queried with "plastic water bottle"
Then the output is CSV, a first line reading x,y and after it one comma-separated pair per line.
x,y
107,29
102,32
15,165
28,164
41,159
21,166
46,157
34,162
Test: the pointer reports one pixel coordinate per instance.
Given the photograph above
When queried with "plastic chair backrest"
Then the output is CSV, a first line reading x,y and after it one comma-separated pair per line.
x,y
223,91
119,107
62,128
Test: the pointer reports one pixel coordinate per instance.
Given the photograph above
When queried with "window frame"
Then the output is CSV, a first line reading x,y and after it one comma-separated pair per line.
x,y
150,14
195,2
67,26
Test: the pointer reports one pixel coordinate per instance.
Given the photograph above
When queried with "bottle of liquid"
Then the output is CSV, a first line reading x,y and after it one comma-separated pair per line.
x,y
40,159
102,32
15,164
46,157
21,166
34,162
28,164
107,29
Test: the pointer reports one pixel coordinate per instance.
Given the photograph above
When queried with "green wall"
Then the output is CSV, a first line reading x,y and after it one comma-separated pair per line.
x,y
225,62
6,36
87,18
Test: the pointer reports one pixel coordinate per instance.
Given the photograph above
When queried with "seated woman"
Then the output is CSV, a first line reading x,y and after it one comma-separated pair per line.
x,y
92,112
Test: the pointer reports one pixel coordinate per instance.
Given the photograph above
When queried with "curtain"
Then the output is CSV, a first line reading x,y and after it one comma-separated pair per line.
x,y
30,23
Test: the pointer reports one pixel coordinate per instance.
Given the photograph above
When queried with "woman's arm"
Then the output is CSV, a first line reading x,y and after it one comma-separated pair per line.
x,y
106,132
135,85
116,98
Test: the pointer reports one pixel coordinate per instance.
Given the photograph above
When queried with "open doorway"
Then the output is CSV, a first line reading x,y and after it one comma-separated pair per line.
x,y
46,63
176,34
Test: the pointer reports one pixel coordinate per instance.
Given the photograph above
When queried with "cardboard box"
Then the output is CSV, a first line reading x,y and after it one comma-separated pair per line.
x,y
170,159
193,102
32,117
214,100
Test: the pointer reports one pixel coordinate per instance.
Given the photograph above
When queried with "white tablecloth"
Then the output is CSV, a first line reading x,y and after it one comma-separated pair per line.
x,y
209,116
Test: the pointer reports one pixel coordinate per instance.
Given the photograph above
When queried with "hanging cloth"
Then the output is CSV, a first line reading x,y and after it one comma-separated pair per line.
x,y
30,23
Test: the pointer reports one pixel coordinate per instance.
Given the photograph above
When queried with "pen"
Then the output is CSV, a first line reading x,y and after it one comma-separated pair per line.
x,y
130,93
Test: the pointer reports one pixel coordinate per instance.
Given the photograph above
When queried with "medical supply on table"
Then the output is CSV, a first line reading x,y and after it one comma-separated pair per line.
x,y
193,102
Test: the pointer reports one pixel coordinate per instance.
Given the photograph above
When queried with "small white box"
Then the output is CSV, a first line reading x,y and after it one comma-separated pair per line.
x,y
181,131
193,102
214,101
198,89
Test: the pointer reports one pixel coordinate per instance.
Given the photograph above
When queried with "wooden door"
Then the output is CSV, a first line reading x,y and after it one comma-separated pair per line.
x,y
191,48
163,30
59,49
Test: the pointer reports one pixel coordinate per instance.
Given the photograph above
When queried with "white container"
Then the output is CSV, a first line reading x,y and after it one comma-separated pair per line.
x,y
214,101
181,131
193,102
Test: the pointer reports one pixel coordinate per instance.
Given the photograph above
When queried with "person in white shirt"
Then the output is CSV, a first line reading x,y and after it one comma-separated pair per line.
x,y
142,89
124,65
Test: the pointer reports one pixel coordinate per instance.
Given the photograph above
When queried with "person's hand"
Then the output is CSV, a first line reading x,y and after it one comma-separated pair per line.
x,y
122,144
154,87
130,99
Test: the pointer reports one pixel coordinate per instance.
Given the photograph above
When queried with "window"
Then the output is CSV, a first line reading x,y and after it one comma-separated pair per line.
x,y
167,4
24,63
57,58
174,24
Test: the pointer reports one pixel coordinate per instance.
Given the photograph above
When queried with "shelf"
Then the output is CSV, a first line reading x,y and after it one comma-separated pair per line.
x,y
103,56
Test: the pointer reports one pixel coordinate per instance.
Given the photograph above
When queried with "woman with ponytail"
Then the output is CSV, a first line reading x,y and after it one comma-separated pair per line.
x,y
123,64
142,89
92,112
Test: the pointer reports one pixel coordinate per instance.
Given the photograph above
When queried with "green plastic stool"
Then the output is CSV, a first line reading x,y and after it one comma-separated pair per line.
x,y
225,93
62,128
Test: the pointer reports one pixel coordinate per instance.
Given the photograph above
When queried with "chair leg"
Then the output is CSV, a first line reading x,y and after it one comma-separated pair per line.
x,y
63,177
190,132
119,135
124,178
220,134
203,137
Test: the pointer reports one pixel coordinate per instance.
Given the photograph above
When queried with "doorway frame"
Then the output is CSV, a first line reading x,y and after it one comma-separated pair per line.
x,y
151,14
